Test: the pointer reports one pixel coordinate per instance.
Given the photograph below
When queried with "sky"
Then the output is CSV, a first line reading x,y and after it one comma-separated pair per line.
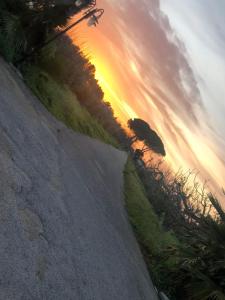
x,y
163,61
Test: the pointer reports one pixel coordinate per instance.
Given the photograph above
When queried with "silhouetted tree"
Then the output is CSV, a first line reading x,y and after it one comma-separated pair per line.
x,y
25,24
143,132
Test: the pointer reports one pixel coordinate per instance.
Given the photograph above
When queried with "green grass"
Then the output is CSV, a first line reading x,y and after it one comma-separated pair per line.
x,y
152,237
63,104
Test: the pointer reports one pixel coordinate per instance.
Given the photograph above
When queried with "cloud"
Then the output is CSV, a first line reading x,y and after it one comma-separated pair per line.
x,y
145,34
157,79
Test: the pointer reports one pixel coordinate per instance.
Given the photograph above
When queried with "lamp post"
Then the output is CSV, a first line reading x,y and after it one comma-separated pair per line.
x,y
92,15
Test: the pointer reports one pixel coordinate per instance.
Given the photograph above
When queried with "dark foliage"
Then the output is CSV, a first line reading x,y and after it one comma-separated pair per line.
x,y
198,221
27,24
34,21
145,133
70,66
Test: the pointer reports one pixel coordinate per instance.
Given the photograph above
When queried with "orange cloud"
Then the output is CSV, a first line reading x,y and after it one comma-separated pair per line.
x,y
143,70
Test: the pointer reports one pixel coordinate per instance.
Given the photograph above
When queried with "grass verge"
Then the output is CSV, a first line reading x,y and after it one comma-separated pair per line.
x,y
152,237
63,104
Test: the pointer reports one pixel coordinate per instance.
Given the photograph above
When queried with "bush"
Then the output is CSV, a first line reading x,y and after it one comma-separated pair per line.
x,y
154,240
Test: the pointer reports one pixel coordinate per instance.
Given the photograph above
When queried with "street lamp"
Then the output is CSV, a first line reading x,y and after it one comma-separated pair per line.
x,y
92,15
93,20
78,3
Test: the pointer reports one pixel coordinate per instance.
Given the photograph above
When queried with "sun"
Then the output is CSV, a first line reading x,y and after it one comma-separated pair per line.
x,y
106,79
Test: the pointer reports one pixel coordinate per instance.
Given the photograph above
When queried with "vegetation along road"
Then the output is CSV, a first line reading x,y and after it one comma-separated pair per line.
x,y
64,231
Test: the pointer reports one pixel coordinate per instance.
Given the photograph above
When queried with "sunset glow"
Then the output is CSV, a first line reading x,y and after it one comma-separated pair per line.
x,y
146,69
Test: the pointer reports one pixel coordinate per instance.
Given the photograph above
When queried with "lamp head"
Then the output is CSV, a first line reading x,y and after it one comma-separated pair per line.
x,y
78,3
95,15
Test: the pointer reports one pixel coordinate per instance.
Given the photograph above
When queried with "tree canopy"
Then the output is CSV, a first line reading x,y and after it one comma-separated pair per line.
x,y
143,132
26,24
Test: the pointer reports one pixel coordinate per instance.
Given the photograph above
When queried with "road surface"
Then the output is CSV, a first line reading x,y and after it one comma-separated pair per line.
x,y
64,233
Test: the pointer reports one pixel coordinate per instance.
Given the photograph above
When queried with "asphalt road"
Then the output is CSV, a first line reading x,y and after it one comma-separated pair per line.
x,y
64,232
